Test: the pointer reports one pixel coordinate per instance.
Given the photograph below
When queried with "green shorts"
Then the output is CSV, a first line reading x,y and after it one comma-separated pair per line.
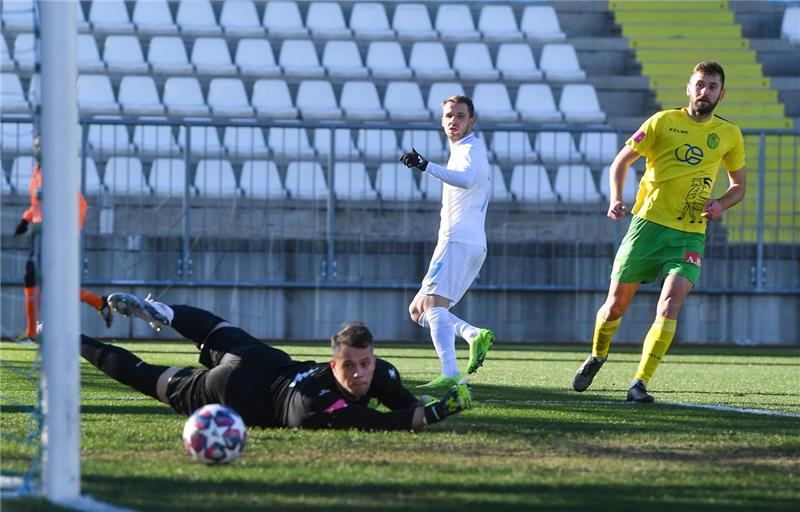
x,y
650,250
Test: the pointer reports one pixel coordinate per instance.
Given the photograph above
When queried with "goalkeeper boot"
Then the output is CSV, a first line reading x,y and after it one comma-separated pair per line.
x,y
442,381
478,348
106,313
154,313
585,374
638,393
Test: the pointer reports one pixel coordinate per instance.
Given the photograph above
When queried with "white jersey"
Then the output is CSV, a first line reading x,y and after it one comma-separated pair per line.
x,y
465,194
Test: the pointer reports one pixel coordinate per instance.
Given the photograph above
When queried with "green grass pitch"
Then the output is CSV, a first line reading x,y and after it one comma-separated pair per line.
x,y
530,442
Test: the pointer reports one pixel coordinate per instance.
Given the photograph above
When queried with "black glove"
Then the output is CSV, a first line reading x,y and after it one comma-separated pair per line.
x,y
414,159
22,227
456,400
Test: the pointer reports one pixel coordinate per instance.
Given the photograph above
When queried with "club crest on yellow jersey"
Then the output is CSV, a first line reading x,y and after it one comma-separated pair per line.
x,y
713,140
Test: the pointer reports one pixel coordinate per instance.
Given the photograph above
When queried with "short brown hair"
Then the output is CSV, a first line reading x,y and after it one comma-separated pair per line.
x,y
354,334
465,100
709,67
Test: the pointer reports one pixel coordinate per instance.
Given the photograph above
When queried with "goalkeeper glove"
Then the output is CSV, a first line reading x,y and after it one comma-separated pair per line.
x,y
22,227
456,400
414,159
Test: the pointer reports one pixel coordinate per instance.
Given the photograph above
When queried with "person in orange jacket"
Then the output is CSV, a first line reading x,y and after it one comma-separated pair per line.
x,y
34,215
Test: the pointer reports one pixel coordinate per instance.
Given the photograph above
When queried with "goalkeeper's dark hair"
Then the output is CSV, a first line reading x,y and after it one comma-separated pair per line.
x,y
709,67
464,100
354,334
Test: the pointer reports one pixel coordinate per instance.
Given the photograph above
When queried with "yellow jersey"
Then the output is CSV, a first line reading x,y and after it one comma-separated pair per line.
x,y
683,158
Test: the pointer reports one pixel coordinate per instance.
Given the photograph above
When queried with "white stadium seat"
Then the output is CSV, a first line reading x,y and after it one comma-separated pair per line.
x,y
579,104
110,17
17,15
430,187
80,19
540,23
325,21
153,140
290,143
530,184
500,192
344,148
245,142
271,99
599,147
89,60
91,183
196,18
204,140
12,97
342,59
790,26
412,22
574,184
454,23
472,62
168,177
315,100
428,143
260,180
368,20
351,181
124,176
298,58
240,19
255,57
138,96
167,55
16,139
395,182
95,95
535,104
21,172
429,61
214,177
360,101
385,59
515,61
493,103
403,101
282,19
183,97
24,51
557,148
513,148
210,56
227,97
497,24
305,180
107,140
123,54
560,63
629,188
439,92
377,144
6,62
153,17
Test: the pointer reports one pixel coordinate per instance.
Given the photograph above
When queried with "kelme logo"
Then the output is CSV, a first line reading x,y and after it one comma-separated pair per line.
x,y
713,140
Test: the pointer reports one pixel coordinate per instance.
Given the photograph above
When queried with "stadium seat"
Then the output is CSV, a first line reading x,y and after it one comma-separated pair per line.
x,y
530,184
368,20
17,15
88,56
579,104
342,59
472,62
123,54
412,22
598,147
439,92
351,181
282,19
403,101
240,19
629,188
210,56
271,99
512,148
535,104
574,184
138,96
153,17
429,61
107,140
6,62
24,51
540,23
492,103
430,187
12,97
21,172
91,183
385,59
245,142
80,19
325,21
5,187
110,17
227,97
790,26
428,143
315,100
557,148
305,180
255,57
290,143
168,177
454,23
497,24
196,18
16,139
260,180
35,90
298,58
167,55
214,177
499,191
155,140
560,63
205,141
124,177
515,61
95,95
377,144
394,182
344,148
360,101
183,97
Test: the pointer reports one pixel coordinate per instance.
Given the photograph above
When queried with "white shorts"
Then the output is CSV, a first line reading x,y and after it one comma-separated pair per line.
x,y
453,268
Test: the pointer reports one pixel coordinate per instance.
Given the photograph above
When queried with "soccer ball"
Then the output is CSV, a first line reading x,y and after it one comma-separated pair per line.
x,y
214,434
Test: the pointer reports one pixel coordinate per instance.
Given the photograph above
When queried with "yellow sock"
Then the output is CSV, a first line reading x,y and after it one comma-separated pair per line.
x,y
655,347
603,332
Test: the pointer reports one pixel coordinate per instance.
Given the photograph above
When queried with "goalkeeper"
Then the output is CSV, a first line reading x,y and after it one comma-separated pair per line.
x,y
266,386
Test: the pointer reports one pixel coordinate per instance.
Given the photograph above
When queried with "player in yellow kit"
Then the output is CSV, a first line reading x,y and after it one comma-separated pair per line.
x,y
666,237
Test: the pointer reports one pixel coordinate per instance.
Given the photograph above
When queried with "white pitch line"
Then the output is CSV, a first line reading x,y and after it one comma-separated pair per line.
x,y
723,408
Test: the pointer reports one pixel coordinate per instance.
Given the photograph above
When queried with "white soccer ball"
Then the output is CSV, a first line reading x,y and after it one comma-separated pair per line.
x,y
214,434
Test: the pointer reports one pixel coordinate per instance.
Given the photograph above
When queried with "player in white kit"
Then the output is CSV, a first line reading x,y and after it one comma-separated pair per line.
x,y
461,248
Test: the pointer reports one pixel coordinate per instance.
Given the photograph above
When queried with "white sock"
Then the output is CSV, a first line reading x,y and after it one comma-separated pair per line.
x,y
444,340
423,320
463,329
